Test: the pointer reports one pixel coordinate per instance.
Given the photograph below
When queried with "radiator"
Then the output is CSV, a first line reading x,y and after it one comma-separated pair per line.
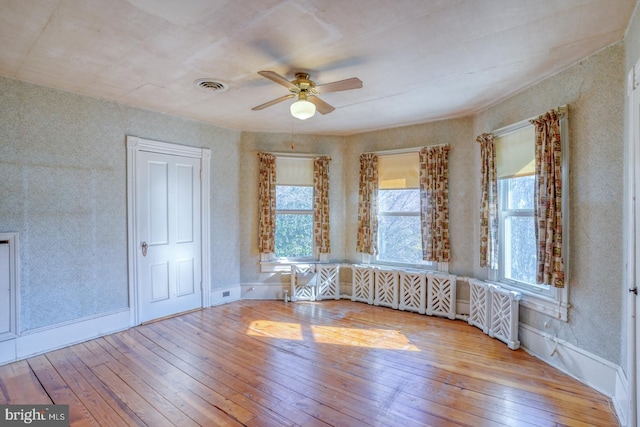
x,y
327,281
495,310
303,282
362,284
479,305
441,295
412,291
386,288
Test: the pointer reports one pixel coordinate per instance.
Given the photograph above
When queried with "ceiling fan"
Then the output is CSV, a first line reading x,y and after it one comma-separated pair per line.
x,y
306,91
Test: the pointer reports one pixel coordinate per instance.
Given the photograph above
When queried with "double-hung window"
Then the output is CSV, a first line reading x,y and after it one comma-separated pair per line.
x,y
515,164
294,209
399,233
517,247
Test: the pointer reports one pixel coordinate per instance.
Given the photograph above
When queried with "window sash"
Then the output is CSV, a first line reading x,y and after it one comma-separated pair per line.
x,y
503,215
297,212
379,258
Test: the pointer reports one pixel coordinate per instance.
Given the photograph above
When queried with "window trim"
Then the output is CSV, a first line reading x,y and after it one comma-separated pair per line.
x,y
555,301
268,261
375,260
300,259
368,259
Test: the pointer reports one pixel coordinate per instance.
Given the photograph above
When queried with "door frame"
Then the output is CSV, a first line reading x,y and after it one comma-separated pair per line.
x,y
135,145
633,251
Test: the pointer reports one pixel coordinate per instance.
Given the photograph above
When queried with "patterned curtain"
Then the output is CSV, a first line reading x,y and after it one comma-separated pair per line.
x,y
489,203
434,203
548,200
321,228
367,241
267,203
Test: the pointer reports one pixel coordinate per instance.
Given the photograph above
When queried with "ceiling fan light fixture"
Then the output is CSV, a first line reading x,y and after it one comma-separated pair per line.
x,y
303,109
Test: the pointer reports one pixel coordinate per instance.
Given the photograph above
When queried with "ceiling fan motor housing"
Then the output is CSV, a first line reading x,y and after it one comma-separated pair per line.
x,y
303,83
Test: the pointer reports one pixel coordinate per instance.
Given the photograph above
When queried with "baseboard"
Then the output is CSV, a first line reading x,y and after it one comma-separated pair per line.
x,y
53,337
592,370
226,295
263,291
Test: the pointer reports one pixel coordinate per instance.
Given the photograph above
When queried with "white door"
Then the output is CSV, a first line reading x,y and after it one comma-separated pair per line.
x,y
168,228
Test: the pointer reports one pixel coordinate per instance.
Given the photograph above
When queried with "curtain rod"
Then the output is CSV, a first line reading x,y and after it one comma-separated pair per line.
x,y
405,150
297,155
562,110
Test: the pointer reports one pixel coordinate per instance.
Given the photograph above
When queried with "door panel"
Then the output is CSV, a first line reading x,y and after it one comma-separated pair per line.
x,y
158,202
186,274
185,203
159,275
168,221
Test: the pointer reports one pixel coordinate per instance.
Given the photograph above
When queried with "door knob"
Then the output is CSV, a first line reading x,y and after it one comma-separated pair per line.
x,y
144,248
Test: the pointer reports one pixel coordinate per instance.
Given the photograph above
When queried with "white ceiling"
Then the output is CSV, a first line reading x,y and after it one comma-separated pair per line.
x,y
419,60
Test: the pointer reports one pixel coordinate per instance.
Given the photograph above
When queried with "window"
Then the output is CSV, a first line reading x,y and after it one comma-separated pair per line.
x,y
517,265
294,221
399,234
515,166
518,255
294,208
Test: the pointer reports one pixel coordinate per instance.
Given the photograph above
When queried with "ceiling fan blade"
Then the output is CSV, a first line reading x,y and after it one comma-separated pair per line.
x,y
273,102
347,84
273,76
321,106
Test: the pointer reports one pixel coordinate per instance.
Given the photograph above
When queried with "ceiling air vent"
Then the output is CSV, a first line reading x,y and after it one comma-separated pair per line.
x,y
211,85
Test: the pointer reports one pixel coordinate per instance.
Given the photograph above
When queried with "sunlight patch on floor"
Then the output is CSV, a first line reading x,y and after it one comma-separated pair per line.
x,y
282,330
387,339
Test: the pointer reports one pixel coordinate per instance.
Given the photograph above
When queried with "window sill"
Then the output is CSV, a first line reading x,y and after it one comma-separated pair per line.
x,y
281,266
554,306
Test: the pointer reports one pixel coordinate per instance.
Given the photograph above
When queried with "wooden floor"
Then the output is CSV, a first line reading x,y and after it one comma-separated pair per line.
x,y
267,363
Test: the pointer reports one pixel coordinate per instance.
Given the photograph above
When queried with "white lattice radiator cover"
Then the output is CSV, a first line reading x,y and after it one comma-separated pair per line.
x,y
441,295
495,310
386,288
303,282
503,318
362,284
328,281
479,304
412,291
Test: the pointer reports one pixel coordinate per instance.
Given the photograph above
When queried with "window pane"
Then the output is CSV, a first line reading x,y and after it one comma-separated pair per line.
x,y
520,249
399,239
289,197
294,234
406,200
520,192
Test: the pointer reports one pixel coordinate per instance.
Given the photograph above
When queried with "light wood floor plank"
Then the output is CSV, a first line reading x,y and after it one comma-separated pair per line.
x,y
60,392
18,384
338,363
